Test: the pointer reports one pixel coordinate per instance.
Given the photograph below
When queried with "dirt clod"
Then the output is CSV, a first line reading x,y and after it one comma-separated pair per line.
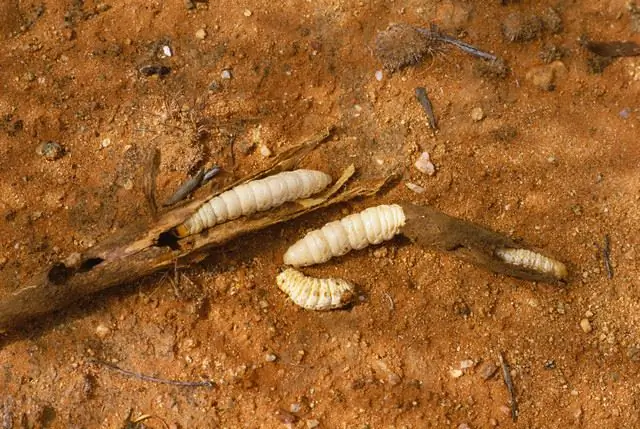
x,y
50,150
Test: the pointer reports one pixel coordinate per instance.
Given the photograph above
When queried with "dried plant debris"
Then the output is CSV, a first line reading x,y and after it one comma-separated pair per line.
x,y
550,53
491,69
518,27
552,21
402,45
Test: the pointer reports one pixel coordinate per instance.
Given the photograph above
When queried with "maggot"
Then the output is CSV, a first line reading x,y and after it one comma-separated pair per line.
x,y
315,293
254,196
371,226
533,261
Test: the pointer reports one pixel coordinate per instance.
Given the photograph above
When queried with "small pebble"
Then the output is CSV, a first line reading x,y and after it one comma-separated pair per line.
x,y
488,370
102,330
424,164
50,150
270,357
265,151
477,114
128,184
467,363
295,408
380,252
625,113
226,74
312,424
189,4
105,143
166,51
154,69
586,326
379,75
247,13
201,34
456,373
464,426
547,76
415,188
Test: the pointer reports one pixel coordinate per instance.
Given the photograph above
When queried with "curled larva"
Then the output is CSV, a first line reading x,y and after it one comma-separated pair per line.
x,y
254,196
371,226
313,293
533,261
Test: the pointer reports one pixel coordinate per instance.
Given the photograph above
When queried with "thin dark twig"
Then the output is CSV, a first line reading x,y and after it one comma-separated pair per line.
x,y
149,181
204,383
606,254
434,32
421,95
185,189
506,375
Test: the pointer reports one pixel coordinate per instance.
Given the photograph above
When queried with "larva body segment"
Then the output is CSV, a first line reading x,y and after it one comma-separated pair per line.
x,y
313,293
371,226
534,261
255,196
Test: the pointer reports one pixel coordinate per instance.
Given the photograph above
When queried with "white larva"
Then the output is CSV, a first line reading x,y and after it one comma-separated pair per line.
x,y
255,196
533,261
371,226
313,293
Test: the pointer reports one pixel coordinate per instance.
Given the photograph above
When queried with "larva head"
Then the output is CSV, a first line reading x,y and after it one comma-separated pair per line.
x,y
560,271
181,231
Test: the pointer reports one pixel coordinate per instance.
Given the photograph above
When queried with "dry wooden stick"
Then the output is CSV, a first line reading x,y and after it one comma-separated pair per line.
x,y
143,249
434,230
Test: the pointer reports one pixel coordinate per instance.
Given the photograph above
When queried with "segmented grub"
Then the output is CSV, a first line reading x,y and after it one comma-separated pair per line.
x,y
315,293
533,261
255,196
371,226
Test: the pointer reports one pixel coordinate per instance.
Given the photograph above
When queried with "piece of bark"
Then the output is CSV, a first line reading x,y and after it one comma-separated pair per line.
x,y
613,49
434,230
143,249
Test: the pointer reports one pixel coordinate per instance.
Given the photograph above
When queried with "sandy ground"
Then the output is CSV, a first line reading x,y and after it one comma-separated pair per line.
x,y
558,168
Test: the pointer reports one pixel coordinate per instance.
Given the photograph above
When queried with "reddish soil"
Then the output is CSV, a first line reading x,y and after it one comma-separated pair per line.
x,y
558,168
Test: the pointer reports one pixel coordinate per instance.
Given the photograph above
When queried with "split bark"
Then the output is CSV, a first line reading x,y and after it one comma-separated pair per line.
x,y
143,249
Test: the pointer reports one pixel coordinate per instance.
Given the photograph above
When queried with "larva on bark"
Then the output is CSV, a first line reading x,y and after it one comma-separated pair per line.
x,y
534,261
254,196
314,293
371,226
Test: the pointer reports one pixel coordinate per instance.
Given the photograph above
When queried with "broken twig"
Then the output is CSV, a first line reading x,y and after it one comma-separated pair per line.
x,y
606,255
149,182
421,95
185,189
506,375
204,383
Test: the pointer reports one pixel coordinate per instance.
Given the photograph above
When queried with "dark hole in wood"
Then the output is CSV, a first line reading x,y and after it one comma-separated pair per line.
x,y
169,240
59,273
89,263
